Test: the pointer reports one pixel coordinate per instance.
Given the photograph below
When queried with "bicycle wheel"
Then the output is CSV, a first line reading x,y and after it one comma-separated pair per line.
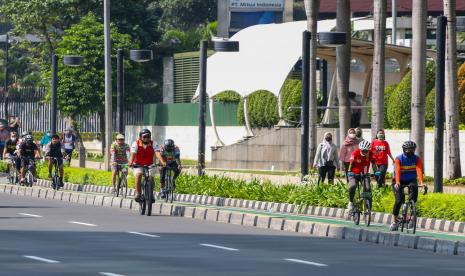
x,y
142,205
118,185
29,179
167,185
403,220
11,175
412,225
367,212
149,197
56,182
124,186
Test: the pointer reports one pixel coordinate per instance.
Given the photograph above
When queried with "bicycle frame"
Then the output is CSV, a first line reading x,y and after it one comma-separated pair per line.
x,y
362,202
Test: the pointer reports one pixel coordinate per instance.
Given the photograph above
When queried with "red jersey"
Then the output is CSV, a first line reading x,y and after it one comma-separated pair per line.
x,y
380,150
144,153
359,162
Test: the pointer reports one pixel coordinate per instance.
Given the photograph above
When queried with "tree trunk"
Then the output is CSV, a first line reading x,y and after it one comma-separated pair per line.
x,y
451,97
312,8
102,131
343,56
377,115
80,143
419,12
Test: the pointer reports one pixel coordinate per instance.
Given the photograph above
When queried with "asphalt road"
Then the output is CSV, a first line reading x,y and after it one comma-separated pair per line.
x,y
45,237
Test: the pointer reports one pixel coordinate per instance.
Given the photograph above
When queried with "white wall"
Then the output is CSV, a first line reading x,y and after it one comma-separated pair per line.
x,y
187,137
397,137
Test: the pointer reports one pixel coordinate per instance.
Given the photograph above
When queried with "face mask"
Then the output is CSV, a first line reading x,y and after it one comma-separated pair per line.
x,y
13,139
380,136
358,135
363,153
328,139
409,153
351,136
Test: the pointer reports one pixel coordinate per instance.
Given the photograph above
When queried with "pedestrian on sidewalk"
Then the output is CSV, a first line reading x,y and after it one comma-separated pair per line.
x,y
326,159
381,151
350,145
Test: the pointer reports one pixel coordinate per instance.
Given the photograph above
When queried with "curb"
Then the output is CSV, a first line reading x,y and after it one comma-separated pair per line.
x,y
330,212
315,229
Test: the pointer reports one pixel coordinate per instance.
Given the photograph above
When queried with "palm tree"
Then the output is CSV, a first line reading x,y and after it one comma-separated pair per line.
x,y
311,8
451,94
377,116
419,11
343,54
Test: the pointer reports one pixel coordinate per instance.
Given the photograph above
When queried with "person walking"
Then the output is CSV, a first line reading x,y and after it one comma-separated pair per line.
x,y
350,145
326,159
381,151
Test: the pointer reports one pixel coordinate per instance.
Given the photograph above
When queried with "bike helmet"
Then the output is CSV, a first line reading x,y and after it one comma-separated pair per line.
x,y
144,132
364,145
28,138
24,133
169,144
409,145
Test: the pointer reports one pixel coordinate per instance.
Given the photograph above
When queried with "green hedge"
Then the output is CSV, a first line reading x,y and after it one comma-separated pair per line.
x,y
262,107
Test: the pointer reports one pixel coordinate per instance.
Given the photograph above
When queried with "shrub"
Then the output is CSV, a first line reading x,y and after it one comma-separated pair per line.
x,y
228,96
262,107
429,108
461,91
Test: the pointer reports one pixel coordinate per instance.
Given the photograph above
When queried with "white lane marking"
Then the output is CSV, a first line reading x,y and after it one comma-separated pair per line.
x,y
30,215
305,262
41,259
110,274
144,234
82,223
219,247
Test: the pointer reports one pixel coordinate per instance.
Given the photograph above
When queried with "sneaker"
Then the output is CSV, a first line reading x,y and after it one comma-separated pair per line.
x,y
61,183
34,180
137,198
394,226
162,193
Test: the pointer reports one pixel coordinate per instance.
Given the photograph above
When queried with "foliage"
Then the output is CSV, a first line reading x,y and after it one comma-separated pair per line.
x,y
228,96
177,40
262,107
81,90
292,97
399,105
461,91
429,108
388,91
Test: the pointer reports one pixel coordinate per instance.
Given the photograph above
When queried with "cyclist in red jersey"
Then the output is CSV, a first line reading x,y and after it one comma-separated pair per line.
x,y
142,154
359,164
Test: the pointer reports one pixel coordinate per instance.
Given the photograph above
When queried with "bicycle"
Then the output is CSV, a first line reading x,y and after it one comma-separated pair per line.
x,y
362,201
169,184
13,174
56,183
409,211
122,181
29,176
146,197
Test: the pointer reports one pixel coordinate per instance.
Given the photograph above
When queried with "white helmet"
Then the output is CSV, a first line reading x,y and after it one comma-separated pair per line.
x,y
364,145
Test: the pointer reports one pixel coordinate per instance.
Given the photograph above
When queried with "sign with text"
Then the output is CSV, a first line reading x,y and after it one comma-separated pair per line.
x,y
257,4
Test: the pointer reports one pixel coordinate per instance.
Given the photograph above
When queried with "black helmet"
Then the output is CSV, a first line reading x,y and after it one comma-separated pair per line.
x,y
28,138
409,145
169,144
24,133
143,132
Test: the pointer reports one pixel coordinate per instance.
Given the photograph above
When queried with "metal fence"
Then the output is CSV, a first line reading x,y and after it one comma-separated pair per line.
x,y
34,112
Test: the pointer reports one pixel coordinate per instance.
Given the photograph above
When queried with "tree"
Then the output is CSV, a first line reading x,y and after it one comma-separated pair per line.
x,y
419,11
81,90
343,55
377,116
451,94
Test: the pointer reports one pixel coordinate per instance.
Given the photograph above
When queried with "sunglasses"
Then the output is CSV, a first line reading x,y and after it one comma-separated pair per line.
x,y
146,136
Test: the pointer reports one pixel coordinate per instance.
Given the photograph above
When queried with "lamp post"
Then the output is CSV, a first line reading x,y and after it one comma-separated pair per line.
x,y
219,46
69,61
331,39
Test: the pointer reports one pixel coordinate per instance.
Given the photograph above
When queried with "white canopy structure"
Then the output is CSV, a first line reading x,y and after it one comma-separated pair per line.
x,y
267,54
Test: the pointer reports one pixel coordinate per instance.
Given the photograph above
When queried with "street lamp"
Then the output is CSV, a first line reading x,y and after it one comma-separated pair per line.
x,y
330,39
134,55
219,46
439,117
73,61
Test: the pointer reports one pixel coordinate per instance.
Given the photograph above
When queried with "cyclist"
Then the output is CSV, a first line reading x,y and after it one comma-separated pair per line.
x,y
359,163
54,149
169,156
119,156
142,154
27,151
68,139
381,151
408,168
9,152
4,136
